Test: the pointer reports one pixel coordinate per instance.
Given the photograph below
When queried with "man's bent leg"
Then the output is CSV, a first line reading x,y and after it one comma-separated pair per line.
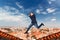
x,y
29,28
41,25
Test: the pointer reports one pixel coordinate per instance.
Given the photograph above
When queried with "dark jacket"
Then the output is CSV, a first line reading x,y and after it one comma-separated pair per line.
x,y
33,19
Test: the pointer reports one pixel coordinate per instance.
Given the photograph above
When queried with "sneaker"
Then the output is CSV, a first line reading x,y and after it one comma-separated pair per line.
x,y
26,33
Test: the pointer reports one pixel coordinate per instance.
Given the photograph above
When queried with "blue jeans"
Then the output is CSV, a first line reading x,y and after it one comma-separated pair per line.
x,y
35,24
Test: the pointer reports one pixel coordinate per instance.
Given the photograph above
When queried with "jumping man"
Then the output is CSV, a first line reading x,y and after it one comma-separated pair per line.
x,y
33,22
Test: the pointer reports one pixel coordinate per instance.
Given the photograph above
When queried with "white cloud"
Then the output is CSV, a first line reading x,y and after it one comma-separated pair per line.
x,y
20,6
51,22
5,16
38,11
10,9
44,13
54,19
52,0
51,19
50,10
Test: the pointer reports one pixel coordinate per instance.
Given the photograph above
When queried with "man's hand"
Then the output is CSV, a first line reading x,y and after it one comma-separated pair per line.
x,y
31,14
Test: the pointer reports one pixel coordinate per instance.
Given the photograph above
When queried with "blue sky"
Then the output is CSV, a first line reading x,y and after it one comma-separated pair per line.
x,y
15,12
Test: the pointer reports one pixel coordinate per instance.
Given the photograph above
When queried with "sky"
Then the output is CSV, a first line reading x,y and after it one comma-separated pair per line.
x,y
15,12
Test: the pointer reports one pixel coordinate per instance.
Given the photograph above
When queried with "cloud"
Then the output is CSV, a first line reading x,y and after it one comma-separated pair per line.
x,y
51,22
44,13
11,10
54,19
51,19
6,16
38,11
52,0
50,10
20,6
